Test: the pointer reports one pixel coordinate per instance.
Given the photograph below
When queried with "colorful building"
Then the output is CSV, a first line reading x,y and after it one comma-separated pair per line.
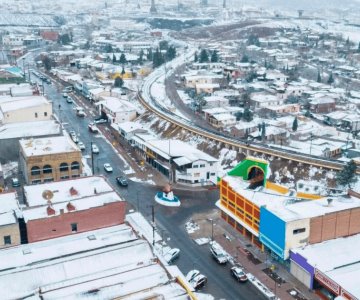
x,y
331,268
280,218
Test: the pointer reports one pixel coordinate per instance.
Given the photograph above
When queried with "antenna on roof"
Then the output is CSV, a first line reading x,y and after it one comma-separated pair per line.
x,y
47,195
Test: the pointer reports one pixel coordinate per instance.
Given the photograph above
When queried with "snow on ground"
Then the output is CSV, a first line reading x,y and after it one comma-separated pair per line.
x,y
149,181
10,169
86,168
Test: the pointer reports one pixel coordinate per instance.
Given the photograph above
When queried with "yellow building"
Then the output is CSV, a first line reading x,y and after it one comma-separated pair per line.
x,y
244,190
9,225
49,159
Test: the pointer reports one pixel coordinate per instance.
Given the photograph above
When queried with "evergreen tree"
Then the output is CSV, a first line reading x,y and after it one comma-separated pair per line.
x,y
265,64
118,82
170,53
158,58
141,57
259,126
47,63
238,115
319,77
65,39
108,48
214,57
245,59
263,131
347,175
358,49
114,58
123,71
204,57
149,55
163,45
122,59
331,79
248,115
228,78
295,124
196,58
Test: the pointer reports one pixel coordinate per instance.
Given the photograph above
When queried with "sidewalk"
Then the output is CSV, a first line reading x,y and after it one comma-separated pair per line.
x,y
250,257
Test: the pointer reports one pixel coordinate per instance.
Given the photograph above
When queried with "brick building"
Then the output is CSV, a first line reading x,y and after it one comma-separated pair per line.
x,y
49,159
71,206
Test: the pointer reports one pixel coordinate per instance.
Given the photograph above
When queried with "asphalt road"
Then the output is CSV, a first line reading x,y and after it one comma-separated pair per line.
x,y
170,221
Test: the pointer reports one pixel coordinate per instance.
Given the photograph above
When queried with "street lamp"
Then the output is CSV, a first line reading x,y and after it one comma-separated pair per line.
x,y
212,229
23,60
92,158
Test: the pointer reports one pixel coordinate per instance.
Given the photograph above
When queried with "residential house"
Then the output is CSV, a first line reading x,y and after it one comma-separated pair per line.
x,y
125,131
322,105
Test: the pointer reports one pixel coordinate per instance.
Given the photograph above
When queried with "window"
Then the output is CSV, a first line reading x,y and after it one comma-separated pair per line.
x,y
64,167
74,227
45,114
195,166
202,166
75,165
7,240
47,169
35,170
299,230
36,115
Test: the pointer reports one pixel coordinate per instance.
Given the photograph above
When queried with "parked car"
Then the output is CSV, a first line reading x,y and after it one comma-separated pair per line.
x,y
172,255
92,127
47,80
15,182
122,181
69,100
80,113
74,137
198,281
192,274
218,253
239,274
108,168
100,121
94,149
81,145
65,95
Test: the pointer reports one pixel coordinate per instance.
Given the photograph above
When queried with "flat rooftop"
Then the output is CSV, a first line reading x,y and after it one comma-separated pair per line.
x,y
287,207
102,264
339,259
47,146
9,208
67,190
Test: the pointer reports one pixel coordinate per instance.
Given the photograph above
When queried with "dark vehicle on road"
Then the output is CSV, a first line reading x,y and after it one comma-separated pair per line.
x,y
122,181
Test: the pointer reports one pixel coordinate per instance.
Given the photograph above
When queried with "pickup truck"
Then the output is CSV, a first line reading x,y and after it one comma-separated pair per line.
x,y
92,127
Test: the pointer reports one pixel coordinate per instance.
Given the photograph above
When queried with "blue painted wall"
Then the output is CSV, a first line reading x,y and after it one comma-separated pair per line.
x,y
272,231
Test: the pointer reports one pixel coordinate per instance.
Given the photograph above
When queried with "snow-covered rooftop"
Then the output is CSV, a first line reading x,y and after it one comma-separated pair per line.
x,y
15,103
67,190
290,208
338,259
111,261
9,208
29,129
46,146
177,148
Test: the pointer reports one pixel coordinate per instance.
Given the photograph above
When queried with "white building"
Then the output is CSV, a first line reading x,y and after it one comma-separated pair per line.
x,y
187,164
24,109
117,110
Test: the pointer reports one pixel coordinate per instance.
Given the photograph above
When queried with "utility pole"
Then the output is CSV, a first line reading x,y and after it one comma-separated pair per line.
x,y
92,158
153,223
23,59
311,137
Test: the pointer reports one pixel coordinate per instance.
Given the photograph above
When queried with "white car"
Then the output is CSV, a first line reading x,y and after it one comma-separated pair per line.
x,y
81,145
108,167
94,149
172,255
196,279
74,137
